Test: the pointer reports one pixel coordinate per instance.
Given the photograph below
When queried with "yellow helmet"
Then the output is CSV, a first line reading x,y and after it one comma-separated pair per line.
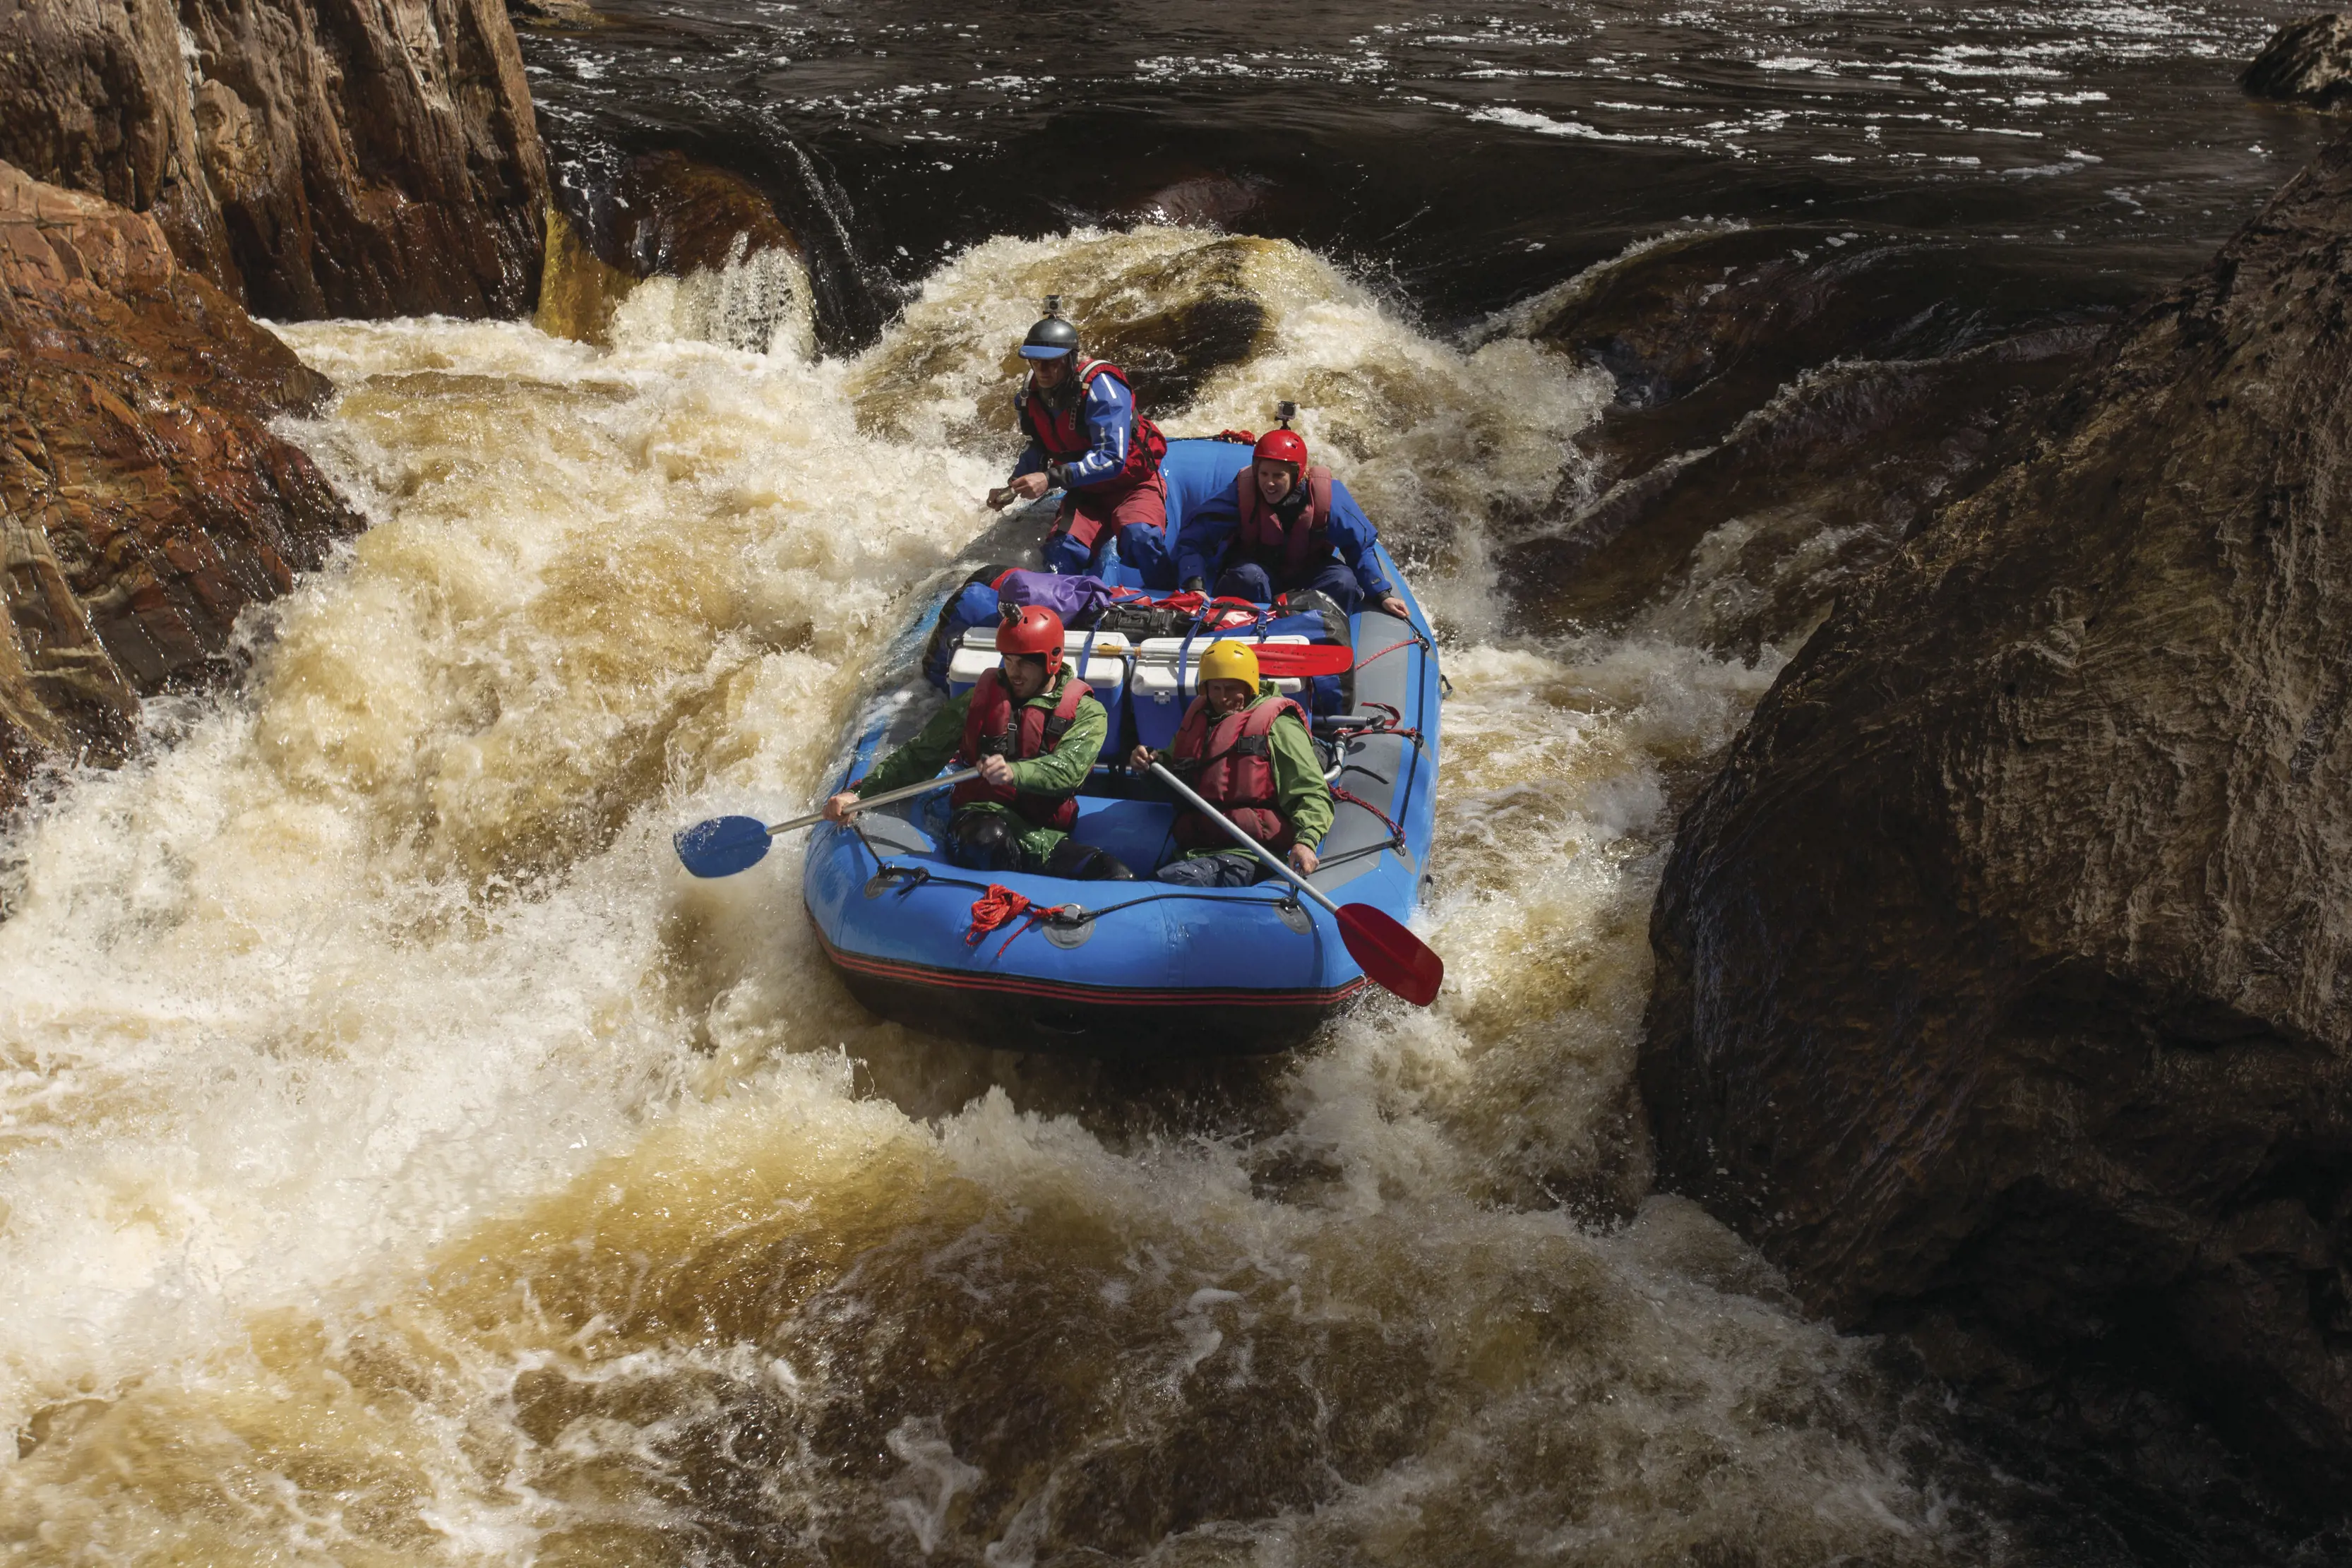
x,y
1230,661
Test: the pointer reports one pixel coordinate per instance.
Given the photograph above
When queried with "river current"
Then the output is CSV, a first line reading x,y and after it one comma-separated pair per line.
x,y
401,1161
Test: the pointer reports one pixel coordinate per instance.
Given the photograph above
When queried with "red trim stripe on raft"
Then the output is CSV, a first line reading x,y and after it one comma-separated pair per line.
x,y
1056,990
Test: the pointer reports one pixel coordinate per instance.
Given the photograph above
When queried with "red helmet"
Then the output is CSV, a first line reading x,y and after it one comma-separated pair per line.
x,y
1281,446
1035,630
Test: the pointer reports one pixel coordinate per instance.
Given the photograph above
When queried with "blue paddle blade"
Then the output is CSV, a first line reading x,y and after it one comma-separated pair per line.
x,y
723,845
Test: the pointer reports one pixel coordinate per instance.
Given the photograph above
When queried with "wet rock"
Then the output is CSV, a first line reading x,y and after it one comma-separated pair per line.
x,y
1826,479
1203,201
671,215
1711,323
1780,390
2305,62
553,14
2005,971
143,500
658,214
312,157
1172,353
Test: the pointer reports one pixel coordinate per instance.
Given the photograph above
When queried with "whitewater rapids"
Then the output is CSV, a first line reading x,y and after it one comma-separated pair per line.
x,y
401,1161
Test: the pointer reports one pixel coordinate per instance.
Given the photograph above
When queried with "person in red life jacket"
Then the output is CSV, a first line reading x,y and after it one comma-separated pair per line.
x,y
1086,436
1285,526
1034,729
1243,748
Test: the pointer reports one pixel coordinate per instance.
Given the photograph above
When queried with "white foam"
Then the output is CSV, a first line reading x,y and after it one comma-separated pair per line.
x,y
372,1064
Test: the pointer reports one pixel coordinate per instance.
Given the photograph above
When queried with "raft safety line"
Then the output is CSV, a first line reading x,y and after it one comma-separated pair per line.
x,y
1078,914
1066,991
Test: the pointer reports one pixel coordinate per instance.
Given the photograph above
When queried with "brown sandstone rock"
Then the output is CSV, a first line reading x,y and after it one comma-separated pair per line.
x,y
312,157
2005,971
2305,62
143,502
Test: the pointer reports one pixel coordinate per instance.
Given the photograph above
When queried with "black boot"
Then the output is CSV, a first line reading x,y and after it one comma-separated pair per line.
x,y
1085,862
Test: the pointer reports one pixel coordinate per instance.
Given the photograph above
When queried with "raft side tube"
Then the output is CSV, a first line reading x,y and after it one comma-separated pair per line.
x,y
1151,971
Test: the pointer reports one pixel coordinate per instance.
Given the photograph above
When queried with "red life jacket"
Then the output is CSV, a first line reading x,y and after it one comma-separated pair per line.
x,y
1309,539
1230,765
1066,439
993,726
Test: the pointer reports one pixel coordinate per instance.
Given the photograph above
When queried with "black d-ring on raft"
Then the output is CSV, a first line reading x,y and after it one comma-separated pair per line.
x,y
882,881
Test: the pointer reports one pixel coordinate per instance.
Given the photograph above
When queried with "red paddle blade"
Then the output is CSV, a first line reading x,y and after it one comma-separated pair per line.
x,y
1283,660
1390,954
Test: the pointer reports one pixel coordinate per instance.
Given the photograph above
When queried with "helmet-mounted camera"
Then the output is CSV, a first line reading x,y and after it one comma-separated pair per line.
x,y
1053,336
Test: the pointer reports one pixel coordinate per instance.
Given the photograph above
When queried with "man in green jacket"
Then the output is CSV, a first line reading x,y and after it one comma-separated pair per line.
x,y
1034,729
1243,748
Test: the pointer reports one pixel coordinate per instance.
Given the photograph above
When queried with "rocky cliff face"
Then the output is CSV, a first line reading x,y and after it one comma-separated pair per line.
x,y
2005,971
143,502
2305,62
311,157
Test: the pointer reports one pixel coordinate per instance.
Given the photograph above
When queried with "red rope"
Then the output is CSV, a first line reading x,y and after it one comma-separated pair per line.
x,y
1000,905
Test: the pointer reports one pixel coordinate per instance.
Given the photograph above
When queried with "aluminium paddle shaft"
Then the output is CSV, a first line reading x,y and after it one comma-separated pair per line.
x,y
725,845
906,793
1244,840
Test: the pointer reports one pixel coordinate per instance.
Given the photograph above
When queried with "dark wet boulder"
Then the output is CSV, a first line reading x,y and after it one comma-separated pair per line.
x,y
660,215
668,216
2004,988
1204,314
1819,484
311,157
1214,200
144,502
2305,62
1700,327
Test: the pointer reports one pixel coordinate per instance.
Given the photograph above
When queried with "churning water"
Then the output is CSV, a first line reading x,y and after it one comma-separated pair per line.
x,y
401,1161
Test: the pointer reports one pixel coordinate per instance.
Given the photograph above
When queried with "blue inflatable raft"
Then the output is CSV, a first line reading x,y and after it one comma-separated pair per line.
x,y
1140,968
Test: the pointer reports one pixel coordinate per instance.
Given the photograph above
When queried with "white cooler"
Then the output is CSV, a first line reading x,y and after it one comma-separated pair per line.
x,y
1104,667
1166,678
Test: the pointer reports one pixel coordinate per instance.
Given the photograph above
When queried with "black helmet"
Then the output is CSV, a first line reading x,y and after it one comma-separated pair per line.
x,y
1051,337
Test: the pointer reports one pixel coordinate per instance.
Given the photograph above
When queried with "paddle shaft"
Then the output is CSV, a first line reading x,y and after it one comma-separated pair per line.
x,y
908,793
1242,838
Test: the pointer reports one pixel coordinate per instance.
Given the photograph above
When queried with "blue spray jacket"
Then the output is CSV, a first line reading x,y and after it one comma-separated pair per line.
x,y
1208,535
1109,414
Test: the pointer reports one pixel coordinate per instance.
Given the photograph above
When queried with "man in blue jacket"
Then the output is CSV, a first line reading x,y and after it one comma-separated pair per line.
x,y
1285,526
1086,436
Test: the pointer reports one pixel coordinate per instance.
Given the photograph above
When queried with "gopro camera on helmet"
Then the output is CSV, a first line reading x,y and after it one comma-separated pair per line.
x,y
1286,412
1053,336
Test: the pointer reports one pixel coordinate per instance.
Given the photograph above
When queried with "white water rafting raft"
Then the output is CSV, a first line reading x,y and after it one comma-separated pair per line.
x,y
1141,968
